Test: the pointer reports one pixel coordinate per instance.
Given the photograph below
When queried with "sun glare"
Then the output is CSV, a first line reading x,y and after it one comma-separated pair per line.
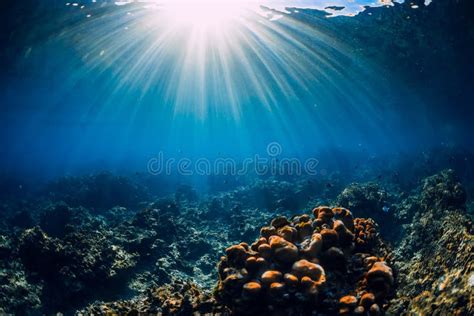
x,y
206,58
204,15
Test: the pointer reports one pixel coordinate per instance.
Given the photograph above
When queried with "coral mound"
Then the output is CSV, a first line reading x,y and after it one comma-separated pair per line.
x,y
331,263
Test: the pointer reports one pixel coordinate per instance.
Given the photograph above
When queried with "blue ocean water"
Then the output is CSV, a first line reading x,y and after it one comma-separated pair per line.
x,y
236,157
103,85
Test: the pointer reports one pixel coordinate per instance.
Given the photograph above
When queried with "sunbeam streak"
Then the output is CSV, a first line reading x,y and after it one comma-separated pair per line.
x,y
211,59
178,67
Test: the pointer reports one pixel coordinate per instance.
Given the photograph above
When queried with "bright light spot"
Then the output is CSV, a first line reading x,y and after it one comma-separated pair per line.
x,y
218,57
204,14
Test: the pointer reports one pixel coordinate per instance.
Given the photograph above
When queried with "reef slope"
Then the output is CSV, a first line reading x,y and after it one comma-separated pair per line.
x,y
164,256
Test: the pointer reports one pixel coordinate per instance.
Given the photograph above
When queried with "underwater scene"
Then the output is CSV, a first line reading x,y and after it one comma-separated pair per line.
x,y
237,157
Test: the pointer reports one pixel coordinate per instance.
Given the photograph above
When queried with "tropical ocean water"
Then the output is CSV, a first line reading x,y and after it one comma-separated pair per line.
x,y
109,108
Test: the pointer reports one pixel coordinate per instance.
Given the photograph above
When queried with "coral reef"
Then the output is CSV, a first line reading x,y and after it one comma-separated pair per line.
x,y
16,293
443,192
435,258
72,252
70,267
276,195
55,257
176,298
370,200
303,264
366,198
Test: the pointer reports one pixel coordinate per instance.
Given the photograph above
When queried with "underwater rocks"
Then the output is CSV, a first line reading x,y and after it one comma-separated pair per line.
x,y
69,257
176,298
369,200
443,191
365,198
73,256
16,293
306,263
259,201
58,219
70,267
271,194
435,258
436,194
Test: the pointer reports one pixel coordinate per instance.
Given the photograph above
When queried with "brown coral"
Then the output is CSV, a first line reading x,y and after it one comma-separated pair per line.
x,y
380,278
283,250
347,303
303,268
299,265
251,290
365,232
271,276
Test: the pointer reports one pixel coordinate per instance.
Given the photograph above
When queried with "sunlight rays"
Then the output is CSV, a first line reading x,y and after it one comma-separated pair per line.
x,y
247,58
237,70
